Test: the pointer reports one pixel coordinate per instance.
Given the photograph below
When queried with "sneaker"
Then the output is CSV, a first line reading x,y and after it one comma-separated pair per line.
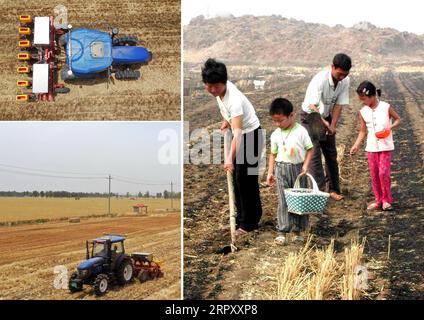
x,y
281,240
298,239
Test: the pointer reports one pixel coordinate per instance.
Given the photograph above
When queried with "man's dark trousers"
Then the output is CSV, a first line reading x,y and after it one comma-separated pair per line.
x,y
327,147
246,185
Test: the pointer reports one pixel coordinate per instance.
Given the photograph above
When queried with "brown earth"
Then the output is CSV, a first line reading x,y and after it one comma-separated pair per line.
x,y
156,96
30,253
278,41
251,272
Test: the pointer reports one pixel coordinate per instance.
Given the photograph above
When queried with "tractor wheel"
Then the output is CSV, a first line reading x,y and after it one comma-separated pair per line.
x,y
62,90
125,272
125,41
71,287
101,284
127,74
143,276
154,274
64,73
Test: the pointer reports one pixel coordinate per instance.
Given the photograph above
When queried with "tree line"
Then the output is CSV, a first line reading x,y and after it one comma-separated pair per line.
x,y
66,194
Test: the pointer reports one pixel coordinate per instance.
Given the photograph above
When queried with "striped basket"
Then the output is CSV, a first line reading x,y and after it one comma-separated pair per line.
x,y
306,201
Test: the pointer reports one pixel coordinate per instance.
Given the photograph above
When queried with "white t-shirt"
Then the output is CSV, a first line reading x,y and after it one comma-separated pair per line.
x,y
290,145
236,104
321,92
377,119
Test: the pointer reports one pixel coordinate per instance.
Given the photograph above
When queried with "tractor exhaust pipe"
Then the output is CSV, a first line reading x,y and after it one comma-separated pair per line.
x,y
87,253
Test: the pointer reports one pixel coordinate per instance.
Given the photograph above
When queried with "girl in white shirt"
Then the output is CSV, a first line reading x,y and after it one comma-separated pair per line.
x,y
376,118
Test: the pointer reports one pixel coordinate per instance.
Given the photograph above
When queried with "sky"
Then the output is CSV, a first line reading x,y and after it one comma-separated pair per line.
x,y
405,15
139,152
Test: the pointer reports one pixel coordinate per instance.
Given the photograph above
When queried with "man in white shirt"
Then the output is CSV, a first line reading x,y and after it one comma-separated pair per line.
x,y
246,146
327,94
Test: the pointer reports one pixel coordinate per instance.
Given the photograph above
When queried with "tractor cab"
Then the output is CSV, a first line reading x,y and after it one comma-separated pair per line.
x,y
109,247
91,52
88,52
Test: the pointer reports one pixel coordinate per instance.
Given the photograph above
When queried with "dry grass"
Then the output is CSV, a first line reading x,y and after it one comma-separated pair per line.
x,y
315,274
293,276
350,288
324,267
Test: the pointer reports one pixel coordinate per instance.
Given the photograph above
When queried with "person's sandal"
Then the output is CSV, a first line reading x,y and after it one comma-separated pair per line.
x,y
387,206
241,232
374,206
336,196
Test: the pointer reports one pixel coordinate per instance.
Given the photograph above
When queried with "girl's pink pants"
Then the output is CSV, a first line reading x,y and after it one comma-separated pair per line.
x,y
379,164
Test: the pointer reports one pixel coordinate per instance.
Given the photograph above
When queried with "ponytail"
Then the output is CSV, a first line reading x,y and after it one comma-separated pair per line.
x,y
367,88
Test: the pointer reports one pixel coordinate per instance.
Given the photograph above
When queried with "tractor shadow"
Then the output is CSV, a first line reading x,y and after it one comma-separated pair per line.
x,y
100,78
88,291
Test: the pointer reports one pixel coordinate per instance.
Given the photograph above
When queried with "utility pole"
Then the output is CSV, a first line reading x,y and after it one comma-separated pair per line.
x,y
172,203
110,178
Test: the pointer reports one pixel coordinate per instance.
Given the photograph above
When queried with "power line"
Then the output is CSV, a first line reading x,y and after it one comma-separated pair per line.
x,y
139,183
50,171
49,175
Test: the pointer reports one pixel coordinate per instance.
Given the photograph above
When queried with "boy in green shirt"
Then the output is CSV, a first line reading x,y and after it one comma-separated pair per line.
x,y
291,153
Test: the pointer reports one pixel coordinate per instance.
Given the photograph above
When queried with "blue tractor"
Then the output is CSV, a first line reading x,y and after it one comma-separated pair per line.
x,y
91,52
106,262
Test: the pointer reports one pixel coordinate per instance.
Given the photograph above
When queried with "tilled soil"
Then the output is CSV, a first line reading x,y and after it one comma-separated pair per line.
x,y
250,272
404,271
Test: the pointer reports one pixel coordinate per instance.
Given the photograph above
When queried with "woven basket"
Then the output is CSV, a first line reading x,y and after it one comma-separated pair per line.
x,y
305,201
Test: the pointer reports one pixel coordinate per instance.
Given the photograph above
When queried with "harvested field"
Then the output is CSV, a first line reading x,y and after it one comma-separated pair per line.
x,y
156,96
14,209
393,251
30,253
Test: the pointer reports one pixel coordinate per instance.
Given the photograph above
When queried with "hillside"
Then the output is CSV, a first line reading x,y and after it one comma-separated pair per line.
x,y
275,41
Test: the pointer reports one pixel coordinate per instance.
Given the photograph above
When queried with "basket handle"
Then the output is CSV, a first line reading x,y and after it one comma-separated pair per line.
x,y
314,183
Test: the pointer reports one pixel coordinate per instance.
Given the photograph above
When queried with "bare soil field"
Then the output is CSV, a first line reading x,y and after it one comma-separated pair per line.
x,y
394,247
30,253
156,96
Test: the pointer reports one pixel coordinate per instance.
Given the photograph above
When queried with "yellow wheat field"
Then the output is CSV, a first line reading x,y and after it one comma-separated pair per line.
x,y
22,209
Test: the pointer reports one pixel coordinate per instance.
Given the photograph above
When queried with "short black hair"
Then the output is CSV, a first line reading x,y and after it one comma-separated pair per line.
x,y
367,88
342,61
214,72
281,106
